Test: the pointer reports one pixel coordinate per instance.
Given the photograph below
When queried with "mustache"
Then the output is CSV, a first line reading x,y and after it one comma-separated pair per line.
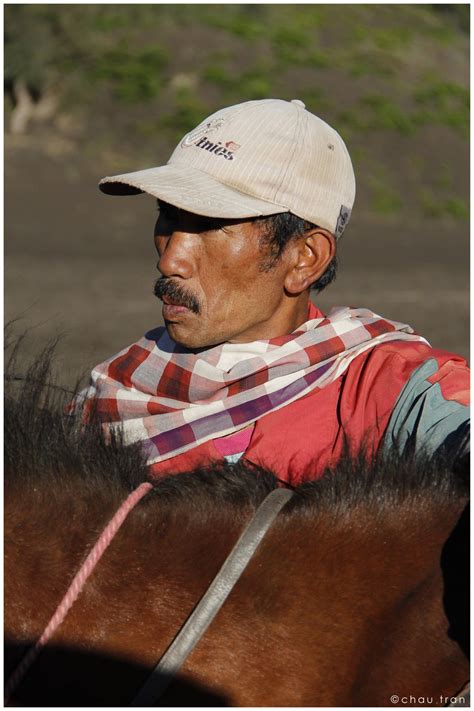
x,y
177,294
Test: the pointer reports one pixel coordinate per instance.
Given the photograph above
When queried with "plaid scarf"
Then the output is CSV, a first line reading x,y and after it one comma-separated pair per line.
x,y
172,399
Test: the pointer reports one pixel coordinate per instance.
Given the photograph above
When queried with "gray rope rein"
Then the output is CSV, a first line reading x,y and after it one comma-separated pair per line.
x,y
213,599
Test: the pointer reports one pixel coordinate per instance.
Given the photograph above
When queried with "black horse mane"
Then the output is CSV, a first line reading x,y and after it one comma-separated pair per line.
x,y
45,446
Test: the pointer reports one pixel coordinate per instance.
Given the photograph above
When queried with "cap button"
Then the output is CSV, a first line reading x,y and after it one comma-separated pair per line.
x,y
298,102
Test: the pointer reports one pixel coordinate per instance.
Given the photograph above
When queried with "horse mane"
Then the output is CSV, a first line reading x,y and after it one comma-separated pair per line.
x,y
46,446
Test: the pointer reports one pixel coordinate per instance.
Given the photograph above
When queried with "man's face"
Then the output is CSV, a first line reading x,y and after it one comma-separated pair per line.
x,y
213,287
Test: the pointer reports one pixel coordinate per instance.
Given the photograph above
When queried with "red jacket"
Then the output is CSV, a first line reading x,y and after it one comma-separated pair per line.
x,y
301,439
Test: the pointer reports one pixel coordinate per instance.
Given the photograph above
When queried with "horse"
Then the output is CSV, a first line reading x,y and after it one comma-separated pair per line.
x,y
356,596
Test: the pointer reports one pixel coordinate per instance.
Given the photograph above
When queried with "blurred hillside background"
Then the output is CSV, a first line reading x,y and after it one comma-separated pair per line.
x,y
92,90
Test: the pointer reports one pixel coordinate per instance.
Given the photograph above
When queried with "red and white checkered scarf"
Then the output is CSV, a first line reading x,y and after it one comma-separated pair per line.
x,y
171,399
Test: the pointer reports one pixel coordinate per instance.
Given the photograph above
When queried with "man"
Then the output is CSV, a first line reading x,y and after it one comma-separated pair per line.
x,y
251,205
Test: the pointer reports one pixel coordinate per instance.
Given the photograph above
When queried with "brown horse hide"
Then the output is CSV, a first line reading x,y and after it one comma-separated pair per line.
x,y
343,604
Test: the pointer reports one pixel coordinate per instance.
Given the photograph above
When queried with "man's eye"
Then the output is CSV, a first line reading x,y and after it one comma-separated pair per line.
x,y
209,225
167,211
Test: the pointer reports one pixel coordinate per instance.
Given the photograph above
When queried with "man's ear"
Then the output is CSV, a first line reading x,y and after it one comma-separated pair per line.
x,y
310,256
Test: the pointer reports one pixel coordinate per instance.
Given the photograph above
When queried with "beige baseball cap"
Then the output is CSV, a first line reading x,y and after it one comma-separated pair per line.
x,y
253,159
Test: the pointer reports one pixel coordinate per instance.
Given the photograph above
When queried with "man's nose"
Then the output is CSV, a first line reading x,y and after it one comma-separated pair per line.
x,y
178,254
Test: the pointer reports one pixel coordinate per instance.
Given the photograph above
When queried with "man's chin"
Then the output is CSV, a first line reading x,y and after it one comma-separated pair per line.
x,y
183,337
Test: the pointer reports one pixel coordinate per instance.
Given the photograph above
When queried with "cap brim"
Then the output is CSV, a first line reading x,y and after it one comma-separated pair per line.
x,y
191,190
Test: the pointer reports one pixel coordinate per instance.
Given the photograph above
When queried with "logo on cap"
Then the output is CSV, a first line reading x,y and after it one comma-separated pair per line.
x,y
217,148
342,221
232,146
203,130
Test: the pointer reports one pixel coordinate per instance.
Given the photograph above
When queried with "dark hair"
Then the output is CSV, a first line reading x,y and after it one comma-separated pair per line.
x,y
277,231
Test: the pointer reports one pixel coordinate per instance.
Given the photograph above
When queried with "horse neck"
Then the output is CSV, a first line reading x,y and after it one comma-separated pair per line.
x,y
356,598
327,596
47,533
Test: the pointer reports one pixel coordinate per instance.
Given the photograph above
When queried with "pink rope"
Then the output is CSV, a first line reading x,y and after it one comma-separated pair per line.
x,y
76,586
